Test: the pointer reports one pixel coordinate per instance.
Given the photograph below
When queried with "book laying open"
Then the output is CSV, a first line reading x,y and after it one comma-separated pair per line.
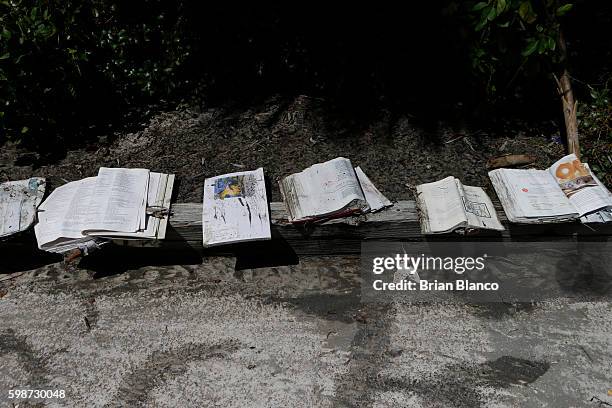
x,y
235,208
118,203
448,205
330,190
564,192
18,203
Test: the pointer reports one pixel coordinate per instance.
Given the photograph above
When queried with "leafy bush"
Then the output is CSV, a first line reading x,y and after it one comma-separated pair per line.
x,y
595,125
60,61
514,37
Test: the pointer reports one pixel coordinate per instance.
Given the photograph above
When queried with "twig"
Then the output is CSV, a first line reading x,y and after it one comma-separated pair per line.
x,y
600,401
585,352
12,277
454,139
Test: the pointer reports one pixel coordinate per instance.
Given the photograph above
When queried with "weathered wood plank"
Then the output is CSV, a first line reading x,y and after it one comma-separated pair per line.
x,y
344,236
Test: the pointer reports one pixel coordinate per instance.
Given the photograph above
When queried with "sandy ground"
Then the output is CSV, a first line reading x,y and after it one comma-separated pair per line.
x,y
206,335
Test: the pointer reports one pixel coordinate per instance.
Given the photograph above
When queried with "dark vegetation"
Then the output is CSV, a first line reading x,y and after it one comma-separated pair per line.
x,y
70,70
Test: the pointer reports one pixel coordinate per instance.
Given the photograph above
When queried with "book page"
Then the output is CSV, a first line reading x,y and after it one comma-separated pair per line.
x,y
18,203
118,202
535,193
443,205
235,208
579,185
64,214
376,200
478,207
155,198
322,189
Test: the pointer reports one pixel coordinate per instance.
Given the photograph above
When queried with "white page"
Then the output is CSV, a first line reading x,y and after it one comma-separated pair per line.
x,y
167,198
535,193
601,216
64,214
478,207
376,200
235,208
579,185
18,203
118,202
442,205
155,198
11,196
323,189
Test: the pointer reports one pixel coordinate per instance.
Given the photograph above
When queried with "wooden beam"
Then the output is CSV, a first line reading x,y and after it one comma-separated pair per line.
x,y
344,236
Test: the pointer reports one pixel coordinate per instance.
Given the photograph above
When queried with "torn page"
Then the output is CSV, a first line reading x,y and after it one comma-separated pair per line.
x,y
235,208
376,200
18,203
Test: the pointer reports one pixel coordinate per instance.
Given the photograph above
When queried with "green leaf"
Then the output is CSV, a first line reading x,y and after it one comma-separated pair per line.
x,y
501,6
564,9
492,14
480,6
532,46
5,56
24,129
481,24
526,12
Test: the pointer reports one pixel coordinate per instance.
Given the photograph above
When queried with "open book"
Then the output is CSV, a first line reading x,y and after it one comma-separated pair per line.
x,y
448,205
118,203
330,190
235,208
18,203
564,192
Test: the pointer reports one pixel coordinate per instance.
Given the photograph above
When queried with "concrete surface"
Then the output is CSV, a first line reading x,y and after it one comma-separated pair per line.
x,y
292,336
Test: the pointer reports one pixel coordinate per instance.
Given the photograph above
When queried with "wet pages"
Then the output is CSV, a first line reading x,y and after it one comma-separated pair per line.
x,y
448,205
329,190
235,208
564,192
118,203
18,203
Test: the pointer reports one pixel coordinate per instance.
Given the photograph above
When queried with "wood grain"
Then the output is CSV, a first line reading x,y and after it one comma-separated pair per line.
x,y
344,236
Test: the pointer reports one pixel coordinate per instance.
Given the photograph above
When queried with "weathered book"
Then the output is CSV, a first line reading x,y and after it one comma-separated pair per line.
x,y
329,190
447,205
235,208
18,203
566,191
118,203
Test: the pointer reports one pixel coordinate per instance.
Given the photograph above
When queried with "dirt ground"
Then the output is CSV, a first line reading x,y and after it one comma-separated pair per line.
x,y
284,137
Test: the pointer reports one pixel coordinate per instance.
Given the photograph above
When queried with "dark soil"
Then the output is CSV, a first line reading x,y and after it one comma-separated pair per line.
x,y
284,137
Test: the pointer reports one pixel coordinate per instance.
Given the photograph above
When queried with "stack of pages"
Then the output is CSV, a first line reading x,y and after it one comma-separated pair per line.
x,y
329,190
18,203
448,205
235,208
564,192
118,203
